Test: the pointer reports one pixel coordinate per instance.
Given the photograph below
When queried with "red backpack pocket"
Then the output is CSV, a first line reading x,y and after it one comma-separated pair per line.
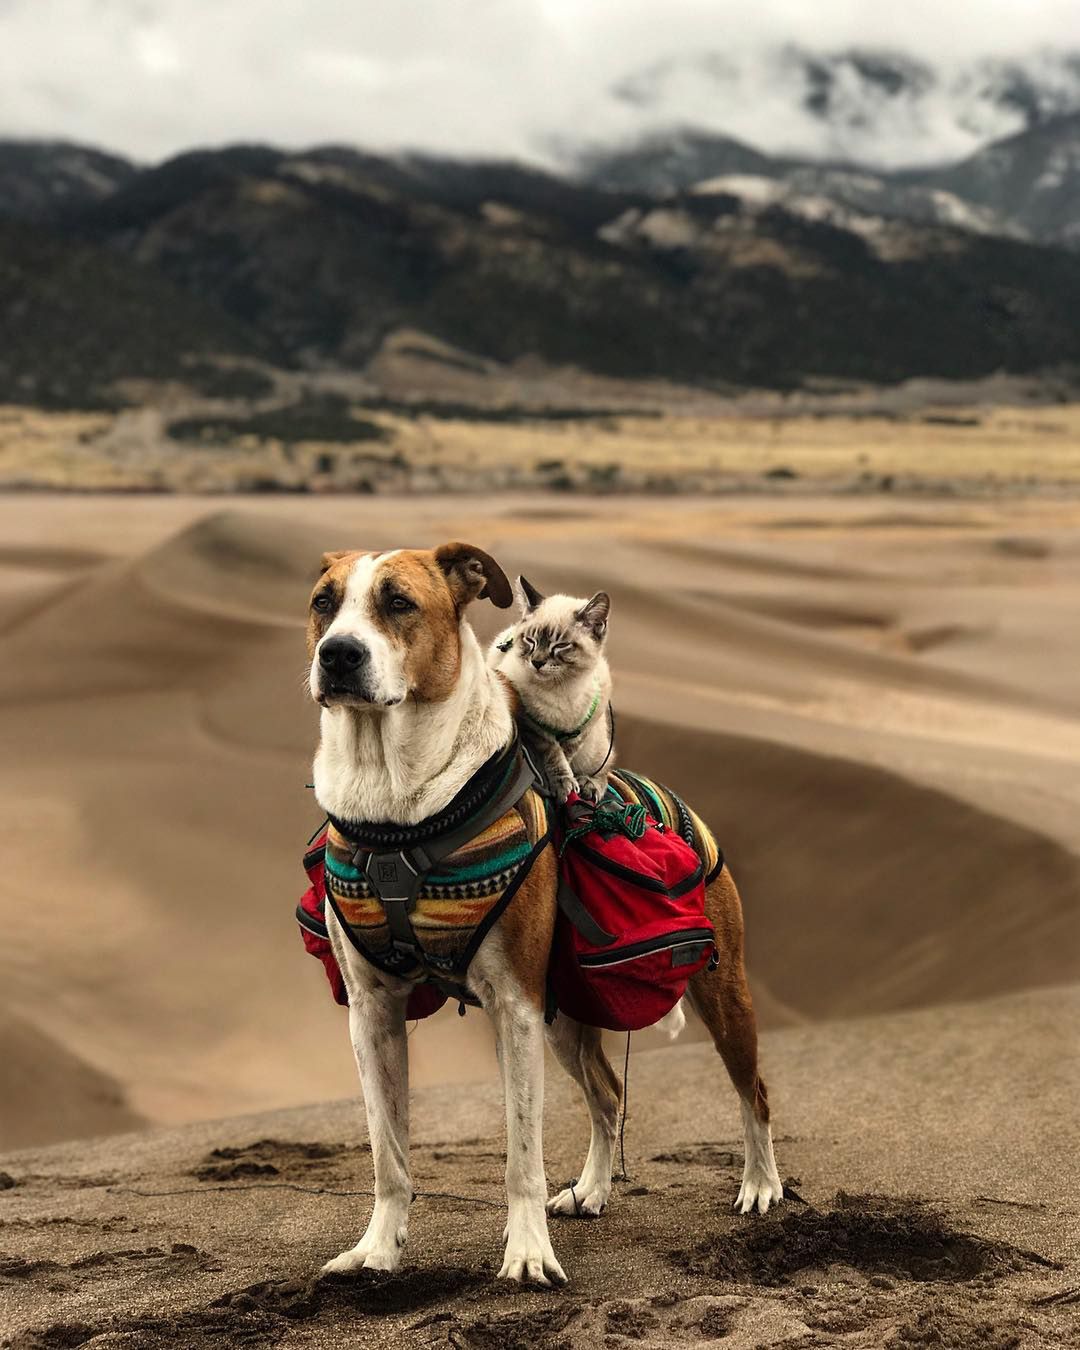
x,y
632,927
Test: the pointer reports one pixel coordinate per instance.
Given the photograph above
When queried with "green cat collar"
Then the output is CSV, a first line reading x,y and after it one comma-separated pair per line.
x,y
558,734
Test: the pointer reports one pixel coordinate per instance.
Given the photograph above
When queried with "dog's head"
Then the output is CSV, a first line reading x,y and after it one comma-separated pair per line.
x,y
386,626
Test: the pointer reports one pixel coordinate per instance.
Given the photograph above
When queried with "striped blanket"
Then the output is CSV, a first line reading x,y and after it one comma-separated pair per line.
x,y
458,901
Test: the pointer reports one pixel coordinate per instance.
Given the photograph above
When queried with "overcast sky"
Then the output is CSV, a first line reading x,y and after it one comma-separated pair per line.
x,y
150,77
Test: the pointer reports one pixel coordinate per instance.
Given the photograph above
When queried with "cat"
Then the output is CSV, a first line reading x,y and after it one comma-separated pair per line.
x,y
554,658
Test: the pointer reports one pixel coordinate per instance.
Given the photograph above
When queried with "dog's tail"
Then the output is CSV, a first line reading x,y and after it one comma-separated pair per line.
x,y
673,1022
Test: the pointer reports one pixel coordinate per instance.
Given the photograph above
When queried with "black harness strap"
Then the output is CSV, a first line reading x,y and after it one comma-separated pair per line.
x,y
396,876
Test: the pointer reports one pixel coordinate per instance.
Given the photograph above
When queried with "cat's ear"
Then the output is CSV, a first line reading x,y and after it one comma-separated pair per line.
x,y
528,595
473,574
593,615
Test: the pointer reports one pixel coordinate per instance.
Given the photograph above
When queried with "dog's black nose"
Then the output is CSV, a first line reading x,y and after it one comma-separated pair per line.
x,y
342,655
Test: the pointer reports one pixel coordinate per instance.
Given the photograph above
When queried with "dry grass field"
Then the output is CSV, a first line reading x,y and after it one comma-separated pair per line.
x,y
945,449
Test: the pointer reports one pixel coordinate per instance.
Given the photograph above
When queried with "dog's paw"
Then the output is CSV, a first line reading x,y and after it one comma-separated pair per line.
x,y
368,1255
530,1259
534,1267
578,1203
759,1190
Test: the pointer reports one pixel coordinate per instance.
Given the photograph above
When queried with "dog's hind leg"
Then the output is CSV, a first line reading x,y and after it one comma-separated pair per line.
x,y
579,1049
721,998
377,1028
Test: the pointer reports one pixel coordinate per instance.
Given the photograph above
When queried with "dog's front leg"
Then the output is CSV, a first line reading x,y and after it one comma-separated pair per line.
x,y
377,1027
519,1039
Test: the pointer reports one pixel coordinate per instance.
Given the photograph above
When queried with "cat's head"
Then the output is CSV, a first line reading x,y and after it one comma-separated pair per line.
x,y
559,636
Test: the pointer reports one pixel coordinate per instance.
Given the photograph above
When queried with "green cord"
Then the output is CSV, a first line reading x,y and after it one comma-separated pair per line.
x,y
610,817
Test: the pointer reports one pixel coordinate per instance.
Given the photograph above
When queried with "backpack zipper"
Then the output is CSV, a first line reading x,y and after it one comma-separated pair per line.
x,y
684,937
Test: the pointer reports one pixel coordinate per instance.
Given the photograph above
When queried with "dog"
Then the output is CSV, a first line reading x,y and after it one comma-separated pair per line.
x,y
410,712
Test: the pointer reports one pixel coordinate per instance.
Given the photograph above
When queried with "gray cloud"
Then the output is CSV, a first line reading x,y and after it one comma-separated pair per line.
x,y
150,77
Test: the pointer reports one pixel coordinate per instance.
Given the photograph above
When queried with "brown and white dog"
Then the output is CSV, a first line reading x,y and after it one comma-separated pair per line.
x,y
410,712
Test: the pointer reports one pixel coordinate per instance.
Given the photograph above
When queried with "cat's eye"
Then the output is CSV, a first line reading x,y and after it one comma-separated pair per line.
x,y
529,644
563,648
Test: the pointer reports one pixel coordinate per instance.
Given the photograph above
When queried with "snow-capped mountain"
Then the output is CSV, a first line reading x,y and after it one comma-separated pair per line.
x,y
882,109
992,147
1032,179
40,178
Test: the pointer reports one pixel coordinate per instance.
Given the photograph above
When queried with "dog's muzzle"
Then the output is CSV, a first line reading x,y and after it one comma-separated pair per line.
x,y
343,667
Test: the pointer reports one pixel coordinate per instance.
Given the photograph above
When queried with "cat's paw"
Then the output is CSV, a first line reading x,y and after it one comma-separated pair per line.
x,y
592,788
563,785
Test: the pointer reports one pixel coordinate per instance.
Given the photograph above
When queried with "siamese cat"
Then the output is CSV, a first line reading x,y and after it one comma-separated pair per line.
x,y
554,658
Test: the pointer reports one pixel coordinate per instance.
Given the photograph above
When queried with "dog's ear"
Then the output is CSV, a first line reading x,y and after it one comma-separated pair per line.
x,y
474,575
593,615
329,559
528,595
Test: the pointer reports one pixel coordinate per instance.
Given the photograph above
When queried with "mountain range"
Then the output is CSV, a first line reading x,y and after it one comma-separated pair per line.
x,y
688,254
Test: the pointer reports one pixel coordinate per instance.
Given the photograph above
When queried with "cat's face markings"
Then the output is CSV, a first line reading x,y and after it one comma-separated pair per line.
x,y
539,645
561,636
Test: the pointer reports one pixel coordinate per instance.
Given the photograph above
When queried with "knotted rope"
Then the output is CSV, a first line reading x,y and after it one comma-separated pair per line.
x,y
609,816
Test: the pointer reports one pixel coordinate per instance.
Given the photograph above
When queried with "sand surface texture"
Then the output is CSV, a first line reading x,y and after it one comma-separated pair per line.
x,y
929,1157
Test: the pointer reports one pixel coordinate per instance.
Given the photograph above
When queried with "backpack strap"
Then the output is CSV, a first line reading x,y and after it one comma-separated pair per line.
x,y
579,916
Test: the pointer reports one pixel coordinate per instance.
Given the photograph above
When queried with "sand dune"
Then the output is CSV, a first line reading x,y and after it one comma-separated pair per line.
x,y
49,1093
900,812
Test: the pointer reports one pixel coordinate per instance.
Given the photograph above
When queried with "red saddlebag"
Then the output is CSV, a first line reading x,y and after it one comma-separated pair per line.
x,y
311,916
632,927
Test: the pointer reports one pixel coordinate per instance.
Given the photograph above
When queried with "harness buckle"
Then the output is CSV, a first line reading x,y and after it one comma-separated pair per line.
x,y
392,875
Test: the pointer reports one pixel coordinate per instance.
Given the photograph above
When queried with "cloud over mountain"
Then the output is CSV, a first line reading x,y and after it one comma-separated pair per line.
x,y
522,77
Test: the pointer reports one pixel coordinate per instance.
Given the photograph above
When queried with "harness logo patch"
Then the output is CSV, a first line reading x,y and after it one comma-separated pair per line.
x,y
388,871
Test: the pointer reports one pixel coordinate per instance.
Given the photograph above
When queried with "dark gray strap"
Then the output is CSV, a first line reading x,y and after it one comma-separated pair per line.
x,y
580,917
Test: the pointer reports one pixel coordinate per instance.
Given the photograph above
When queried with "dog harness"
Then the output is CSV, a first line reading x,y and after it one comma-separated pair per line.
x,y
417,901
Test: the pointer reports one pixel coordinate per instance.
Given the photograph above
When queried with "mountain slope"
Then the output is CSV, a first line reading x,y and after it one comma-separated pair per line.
x,y
326,258
1032,179
40,180
75,317
672,160
316,258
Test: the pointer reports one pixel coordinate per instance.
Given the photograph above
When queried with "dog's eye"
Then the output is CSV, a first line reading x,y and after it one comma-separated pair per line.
x,y
400,604
323,603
